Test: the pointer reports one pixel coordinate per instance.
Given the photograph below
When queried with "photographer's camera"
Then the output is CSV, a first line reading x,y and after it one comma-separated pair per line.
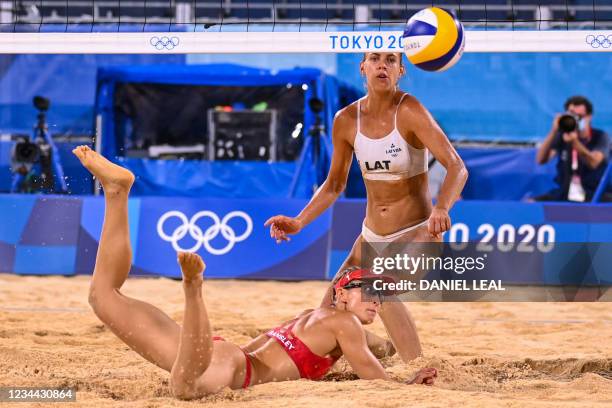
x,y
569,122
32,160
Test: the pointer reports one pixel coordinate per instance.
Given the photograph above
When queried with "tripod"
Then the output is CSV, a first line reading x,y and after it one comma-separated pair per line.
x,y
317,145
36,165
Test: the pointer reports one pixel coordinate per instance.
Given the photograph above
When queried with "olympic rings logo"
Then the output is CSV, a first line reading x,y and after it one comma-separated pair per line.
x,y
165,42
203,238
597,41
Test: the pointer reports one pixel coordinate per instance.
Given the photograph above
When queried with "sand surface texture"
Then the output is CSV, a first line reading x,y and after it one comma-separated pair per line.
x,y
488,354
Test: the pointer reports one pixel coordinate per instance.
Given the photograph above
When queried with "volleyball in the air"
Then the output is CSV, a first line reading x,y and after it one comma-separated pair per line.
x,y
434,39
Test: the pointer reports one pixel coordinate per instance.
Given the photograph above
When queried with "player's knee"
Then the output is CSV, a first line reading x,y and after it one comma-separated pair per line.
x,y
97,299
92,298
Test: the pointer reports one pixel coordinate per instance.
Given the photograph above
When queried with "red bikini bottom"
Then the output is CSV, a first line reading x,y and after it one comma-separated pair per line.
x,y
249,365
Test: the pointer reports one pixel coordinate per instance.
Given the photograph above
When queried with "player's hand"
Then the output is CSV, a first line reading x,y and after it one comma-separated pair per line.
x,y
281,226
439,222
425,376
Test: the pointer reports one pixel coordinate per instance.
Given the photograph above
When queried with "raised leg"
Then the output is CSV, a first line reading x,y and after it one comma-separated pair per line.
x,y
195,349
202,367
144,328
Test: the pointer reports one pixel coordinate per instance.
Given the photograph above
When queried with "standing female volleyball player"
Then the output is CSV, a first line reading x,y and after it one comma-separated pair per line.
x,y
390,133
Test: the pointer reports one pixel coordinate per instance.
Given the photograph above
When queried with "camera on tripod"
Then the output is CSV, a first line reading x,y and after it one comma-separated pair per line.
x,y
316,106
33,160
25,152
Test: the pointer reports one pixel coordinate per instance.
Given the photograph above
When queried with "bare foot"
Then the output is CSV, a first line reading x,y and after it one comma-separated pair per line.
x,y
192,266
113,178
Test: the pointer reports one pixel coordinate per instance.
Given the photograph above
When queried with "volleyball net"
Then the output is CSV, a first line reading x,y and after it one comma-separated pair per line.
x,y
258,26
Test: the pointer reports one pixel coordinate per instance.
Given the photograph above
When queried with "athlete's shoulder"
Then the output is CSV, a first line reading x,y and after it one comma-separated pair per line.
x,y
345,121
340,320
409,100
410,105
348,114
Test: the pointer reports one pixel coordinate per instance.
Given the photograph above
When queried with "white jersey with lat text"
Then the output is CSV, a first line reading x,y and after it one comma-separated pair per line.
x,y
390,157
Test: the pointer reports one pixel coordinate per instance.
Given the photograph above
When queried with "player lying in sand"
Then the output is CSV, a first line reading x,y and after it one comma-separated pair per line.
x,y
199,363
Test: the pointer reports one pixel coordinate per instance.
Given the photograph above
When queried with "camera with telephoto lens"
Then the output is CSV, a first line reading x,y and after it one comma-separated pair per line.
x,y
36,151
568,122
26,153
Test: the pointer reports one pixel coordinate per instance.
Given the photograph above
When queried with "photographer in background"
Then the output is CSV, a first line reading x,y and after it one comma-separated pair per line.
x,y
583,153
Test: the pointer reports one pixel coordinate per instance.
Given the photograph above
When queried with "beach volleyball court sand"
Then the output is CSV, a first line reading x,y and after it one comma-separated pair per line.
x,y
488,354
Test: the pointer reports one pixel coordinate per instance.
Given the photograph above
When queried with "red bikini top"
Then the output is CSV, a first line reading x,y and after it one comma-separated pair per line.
x,y
309,364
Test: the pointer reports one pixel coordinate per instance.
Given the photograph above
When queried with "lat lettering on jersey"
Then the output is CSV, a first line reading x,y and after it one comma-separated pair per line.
x,y
378,165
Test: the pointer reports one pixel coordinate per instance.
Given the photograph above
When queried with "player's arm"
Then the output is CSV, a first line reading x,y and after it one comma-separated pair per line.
x,y
335,183
351,338
423,125
281,225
